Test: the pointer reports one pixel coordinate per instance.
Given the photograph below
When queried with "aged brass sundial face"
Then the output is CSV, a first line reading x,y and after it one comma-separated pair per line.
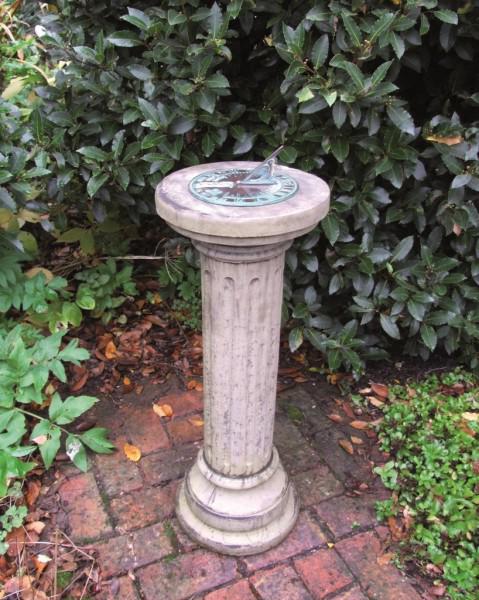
x,y
244,187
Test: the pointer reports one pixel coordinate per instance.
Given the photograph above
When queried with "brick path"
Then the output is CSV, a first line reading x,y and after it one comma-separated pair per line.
x,y
126,510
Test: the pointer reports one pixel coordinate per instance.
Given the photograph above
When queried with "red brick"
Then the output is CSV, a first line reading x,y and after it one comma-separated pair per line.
x,y
305,535
323,573
122,589
186,575
183,403
109,468
86,514
380,582
353,594
317,484
166,465
127,552
344,513
237,591
280,583
183,431
136,510
145,430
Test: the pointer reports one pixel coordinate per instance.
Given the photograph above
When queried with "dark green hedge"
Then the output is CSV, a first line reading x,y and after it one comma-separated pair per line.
x,y
378,98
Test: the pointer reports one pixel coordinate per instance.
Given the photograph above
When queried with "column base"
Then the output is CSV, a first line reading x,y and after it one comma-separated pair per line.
x,y
235,515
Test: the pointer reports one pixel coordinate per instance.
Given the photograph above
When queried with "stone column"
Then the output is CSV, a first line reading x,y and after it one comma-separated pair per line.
x,y
237,498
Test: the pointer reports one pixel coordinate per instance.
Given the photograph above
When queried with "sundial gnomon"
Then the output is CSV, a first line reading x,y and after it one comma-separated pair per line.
x,y
244,187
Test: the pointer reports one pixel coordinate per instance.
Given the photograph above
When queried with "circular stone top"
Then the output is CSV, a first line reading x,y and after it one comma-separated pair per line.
x,y
246,225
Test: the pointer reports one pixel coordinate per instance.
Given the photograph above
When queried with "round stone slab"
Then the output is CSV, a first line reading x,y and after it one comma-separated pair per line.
x,y
248,225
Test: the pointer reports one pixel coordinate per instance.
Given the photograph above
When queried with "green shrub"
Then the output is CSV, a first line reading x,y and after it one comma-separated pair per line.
x,y
430,431
378,98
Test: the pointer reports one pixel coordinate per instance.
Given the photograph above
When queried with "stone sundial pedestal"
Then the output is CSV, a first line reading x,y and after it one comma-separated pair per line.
x,y
242,217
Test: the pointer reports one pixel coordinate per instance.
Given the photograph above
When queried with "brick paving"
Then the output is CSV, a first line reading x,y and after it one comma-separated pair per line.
x,y
125,510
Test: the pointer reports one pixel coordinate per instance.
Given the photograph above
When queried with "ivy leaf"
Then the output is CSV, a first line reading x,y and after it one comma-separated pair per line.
x,y
330,226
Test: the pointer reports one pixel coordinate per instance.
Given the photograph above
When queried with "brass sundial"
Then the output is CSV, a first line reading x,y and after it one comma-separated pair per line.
x,y
244,187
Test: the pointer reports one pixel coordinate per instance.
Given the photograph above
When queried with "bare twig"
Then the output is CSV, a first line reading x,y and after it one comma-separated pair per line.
x,y
87,581
55,564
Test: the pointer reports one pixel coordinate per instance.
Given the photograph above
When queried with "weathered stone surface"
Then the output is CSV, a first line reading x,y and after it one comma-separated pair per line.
x,y
109,466
121,589
305,535
183,403
295,452
280,583
86,514
184,431
343,514
186,575
127,552
354,593
323,572
238,591
133,511
380,582
167,465
317,484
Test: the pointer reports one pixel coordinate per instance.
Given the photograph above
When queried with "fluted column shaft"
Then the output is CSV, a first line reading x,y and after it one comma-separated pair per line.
x,y
242,295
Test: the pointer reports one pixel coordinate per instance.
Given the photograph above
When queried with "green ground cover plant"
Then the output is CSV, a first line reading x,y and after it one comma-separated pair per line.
x,y
378,98
431,428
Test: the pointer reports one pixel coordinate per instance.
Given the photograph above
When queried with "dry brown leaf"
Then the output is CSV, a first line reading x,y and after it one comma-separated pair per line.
x,y
16,584
396,529
359,424
301,379
35,270
199,386
34,595
385,559
132,453
111,351
470,416
346,446
365,391
33,491
41,561
380,390
163,410
36,526
375,401
196,421
335,417
15,540
356,440
450,140
438,590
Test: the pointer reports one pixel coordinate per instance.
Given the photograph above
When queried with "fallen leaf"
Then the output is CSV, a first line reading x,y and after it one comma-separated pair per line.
x,y
301,379
15,540
36,526
330,545
380,390
199,386
18,584
132,452
457,229
375,401
111,351
346,446
470,416
34,595
385,559
80,381
359,424
396,529
163,410
196,421
35,270
365,391
438,590
356,440
41,561
127,385
450,140
139,389
335,417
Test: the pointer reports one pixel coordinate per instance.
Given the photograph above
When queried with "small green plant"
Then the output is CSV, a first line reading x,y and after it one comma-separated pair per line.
x,y
31,408
104,288
180,280
431,429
